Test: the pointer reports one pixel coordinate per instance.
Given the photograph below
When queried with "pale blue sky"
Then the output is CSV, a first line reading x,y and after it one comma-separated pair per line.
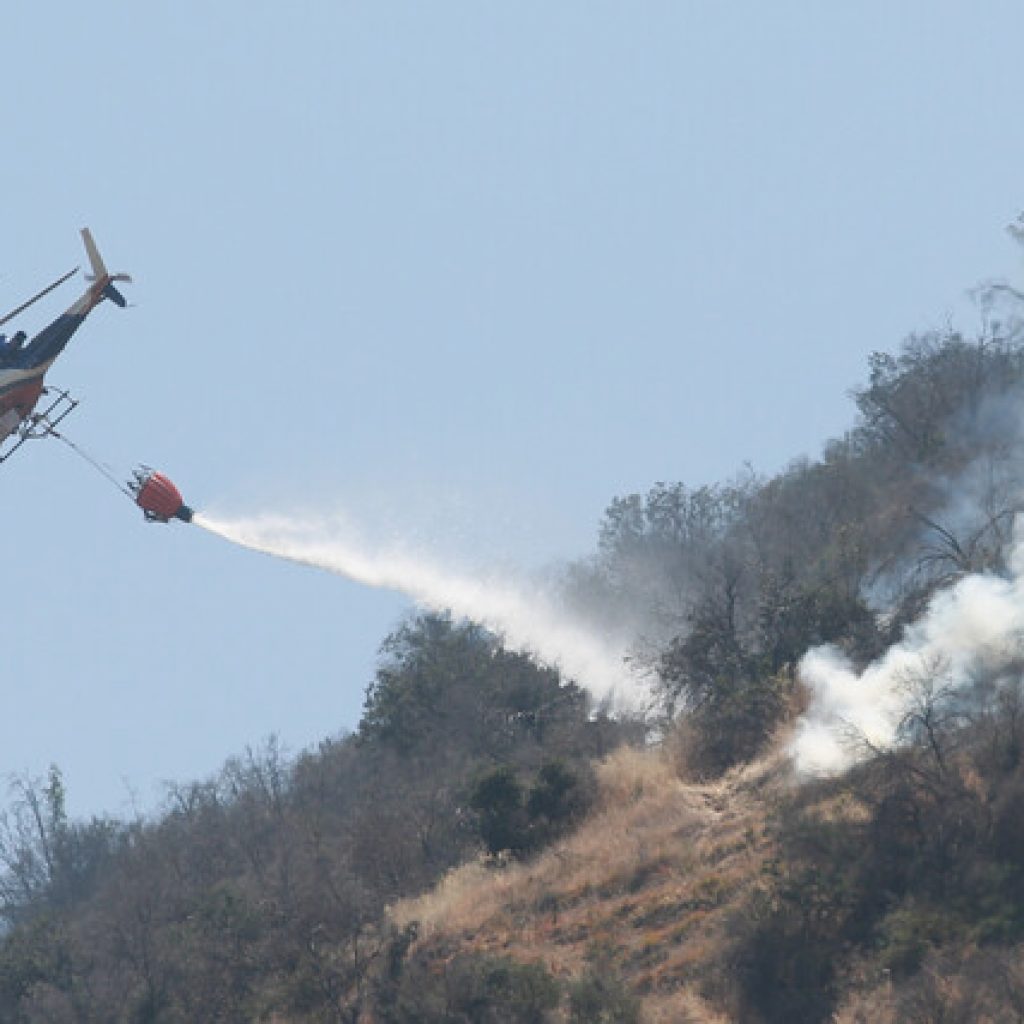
x,y
467,269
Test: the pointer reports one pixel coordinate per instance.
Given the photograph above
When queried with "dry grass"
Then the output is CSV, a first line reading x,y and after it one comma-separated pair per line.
x,y
680,1008
647,884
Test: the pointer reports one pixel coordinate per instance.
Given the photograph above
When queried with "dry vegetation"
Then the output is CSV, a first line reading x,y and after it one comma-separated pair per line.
x,y
349,887
647,886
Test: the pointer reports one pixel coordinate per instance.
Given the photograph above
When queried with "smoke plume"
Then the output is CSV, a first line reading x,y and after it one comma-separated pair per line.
x,y
524,613
969,630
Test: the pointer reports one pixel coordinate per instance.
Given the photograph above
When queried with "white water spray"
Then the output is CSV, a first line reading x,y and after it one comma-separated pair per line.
x,y
974,627
524,614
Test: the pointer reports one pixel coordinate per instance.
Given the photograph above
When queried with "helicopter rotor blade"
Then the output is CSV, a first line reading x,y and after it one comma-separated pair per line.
x,y
35,298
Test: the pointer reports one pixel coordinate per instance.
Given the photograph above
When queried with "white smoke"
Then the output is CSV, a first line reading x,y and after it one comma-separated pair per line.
x,y
972,628
524,613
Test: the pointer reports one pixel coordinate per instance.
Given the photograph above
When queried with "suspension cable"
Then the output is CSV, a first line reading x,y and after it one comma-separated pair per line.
x,y
95,463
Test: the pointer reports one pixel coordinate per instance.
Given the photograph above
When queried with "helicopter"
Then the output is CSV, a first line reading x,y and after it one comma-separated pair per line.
x,y
23,368
24,363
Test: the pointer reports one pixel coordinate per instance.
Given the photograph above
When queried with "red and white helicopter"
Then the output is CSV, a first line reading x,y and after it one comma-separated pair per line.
x,y
23,363
23,367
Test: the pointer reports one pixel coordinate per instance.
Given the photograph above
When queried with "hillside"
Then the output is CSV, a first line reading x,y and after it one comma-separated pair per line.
x,y
491,846
657,909
639,900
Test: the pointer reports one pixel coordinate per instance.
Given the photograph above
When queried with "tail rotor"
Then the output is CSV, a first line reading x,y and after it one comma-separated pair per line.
x,y
100,272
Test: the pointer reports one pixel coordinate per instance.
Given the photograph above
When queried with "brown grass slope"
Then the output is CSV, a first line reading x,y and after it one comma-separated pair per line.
x,y
645,888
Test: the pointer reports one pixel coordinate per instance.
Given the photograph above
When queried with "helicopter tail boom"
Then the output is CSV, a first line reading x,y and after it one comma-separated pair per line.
x,y
100,272
102,281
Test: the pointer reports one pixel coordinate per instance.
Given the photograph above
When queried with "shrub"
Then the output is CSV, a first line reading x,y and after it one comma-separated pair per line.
x,y
497,799
467,989
599,997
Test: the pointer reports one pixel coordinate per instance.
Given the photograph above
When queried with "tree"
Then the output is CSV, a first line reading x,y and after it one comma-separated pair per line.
x,y
497,799
47,861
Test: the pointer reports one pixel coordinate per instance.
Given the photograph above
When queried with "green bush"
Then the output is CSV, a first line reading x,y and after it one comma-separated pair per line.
x,y
510,818
497,799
